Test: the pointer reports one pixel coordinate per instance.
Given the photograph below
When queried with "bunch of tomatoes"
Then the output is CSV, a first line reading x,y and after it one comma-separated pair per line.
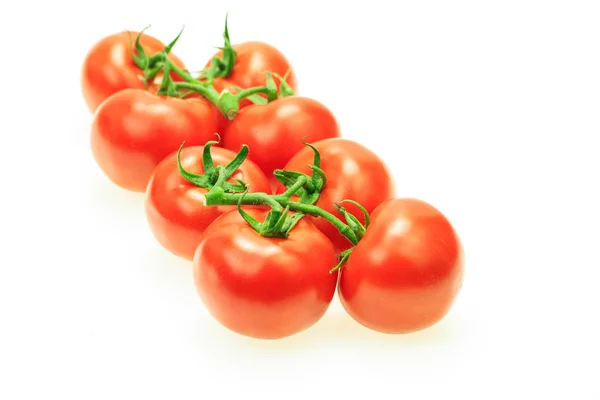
x,y
256,187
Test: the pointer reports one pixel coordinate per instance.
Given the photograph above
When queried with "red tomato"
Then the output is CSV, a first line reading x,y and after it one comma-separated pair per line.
x,y
274,131
405,273
134,130
108,67
265,288
174,207
253,61
353,172
222,120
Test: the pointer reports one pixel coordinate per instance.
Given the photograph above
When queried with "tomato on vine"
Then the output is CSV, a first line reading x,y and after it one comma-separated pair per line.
x,y
353,173
402,274
244,65
125,60
274,131
174,206
406,271
270,268
134,130
264,287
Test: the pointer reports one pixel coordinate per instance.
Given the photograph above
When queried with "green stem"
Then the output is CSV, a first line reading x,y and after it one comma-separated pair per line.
x,y
209,92
294,188
221,177
184,74
251,91
319,212
229,103
221,198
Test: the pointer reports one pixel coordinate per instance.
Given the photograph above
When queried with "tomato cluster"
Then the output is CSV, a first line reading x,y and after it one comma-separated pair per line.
x,y
256,187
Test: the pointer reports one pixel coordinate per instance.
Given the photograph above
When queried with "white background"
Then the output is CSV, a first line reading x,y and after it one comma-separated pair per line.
x,y
488,110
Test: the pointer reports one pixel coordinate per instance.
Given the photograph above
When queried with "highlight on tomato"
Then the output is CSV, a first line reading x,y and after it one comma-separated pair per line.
x,y
174,206
134,130
264,287
353,173
406,271
124,60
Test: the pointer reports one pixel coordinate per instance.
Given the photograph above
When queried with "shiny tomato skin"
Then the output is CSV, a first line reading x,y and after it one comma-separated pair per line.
x,y
406,272
253,60
108,67
353,172
134,130
266,288
174,207
274,131
222,121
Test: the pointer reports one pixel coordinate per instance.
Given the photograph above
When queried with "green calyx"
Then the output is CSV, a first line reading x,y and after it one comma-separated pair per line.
x,y
151,65
312,185
224,64
357,227
220,67
277,224
284,213
285,90
228,101
215,176
344,255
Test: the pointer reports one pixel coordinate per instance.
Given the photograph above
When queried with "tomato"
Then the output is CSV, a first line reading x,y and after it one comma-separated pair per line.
x,y
109,68
222,120
174,207
134,130
274,131
353,172
253,60
261,287
405,273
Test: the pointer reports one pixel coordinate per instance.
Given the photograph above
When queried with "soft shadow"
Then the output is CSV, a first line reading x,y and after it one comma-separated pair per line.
x,y
95,189
80,126
115,201
168,269
335,326
340,326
